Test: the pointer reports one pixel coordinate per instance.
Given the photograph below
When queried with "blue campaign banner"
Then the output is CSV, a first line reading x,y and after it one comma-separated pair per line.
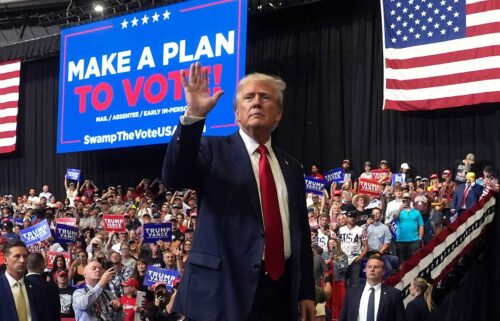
x,y
335,175
35,233
120,78
155,274
157,231
73,173
66,233
398,178
314,185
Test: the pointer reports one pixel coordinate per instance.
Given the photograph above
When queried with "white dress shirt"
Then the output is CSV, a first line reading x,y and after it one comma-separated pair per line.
x,y
279,181
13,281
363,302
251,147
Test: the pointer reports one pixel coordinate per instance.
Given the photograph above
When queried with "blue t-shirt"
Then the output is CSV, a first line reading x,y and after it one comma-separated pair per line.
x,y
409,221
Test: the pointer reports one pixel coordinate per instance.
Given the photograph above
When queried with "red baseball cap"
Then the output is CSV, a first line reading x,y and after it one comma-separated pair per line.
x,y
131,282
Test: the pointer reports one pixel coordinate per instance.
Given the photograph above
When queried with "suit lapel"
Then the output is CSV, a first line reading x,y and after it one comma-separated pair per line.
x,y
243,172
356,300
383,302
288,175
5,289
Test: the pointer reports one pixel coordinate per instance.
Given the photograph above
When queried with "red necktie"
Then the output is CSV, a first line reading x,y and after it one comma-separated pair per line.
x,y
464,198
274,256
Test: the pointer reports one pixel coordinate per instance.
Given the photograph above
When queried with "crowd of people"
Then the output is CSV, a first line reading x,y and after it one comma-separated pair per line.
x,y
347,228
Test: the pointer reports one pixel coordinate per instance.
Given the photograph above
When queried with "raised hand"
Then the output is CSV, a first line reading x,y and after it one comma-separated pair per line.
x,y
199,101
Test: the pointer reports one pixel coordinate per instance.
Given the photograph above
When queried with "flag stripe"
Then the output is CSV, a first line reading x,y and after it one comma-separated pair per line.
x,y
8,127
432,104
464,77
483,17
482,6
9,82
9,66
443,58
444,47
9,97
10,75
9,90
443,69
8,112
483,29
9,104
7,149
8,119
490,85
8,134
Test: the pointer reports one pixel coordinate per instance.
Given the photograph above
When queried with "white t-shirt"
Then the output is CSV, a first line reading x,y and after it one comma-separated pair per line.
x,y
351,241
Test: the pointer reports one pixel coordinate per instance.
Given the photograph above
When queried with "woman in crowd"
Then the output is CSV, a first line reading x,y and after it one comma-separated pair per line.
x,y
140,273
160,308
71,191
77,268
335,282
186,248
58,265
313,217
421,307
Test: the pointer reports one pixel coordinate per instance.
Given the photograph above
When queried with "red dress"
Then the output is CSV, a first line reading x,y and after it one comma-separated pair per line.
x,y
338,294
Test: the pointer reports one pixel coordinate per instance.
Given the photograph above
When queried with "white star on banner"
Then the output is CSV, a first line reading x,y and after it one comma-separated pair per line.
x,y
166,14
155,17
145,19
124,24
134,22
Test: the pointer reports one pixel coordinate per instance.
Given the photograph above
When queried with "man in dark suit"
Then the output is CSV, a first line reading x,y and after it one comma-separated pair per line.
x,y
251,257
466,195
22,300
374,301
52,306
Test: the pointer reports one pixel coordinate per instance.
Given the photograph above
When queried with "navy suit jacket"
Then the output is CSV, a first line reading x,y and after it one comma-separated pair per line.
x,y
390,308
8,307
472,196
52,303
222,271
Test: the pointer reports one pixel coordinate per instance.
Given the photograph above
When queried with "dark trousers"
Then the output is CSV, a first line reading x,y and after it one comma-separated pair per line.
x,y
272,298
406,250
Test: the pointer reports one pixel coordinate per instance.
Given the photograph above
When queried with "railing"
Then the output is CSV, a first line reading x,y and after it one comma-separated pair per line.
x,y
438,257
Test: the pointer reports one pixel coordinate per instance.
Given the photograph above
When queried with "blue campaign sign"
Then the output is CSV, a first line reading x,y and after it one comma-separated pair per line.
x,y
157,231
66,233
120,79
155,274
73,173
335,175
35,233
314,185
397,178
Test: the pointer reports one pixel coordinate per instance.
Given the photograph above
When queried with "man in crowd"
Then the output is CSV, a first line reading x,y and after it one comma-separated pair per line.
x,y
466,195
267,259
379,239
122,273
354,244
394,205
410,229
65,294
374,301
21,298
93,302
52,306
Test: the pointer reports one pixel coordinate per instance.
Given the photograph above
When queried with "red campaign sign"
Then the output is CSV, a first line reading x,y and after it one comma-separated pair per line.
x,y
369,187
380,173
113,223
67,221
51,255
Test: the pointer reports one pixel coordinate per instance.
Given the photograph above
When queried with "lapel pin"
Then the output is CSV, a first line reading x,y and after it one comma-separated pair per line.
x,y
286,162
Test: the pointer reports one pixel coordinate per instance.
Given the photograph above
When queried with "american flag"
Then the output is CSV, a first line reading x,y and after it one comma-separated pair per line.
x,y
9,98
440,53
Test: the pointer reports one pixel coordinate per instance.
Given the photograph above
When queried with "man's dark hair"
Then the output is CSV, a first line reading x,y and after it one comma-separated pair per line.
x,y
377,257
36,263
6,250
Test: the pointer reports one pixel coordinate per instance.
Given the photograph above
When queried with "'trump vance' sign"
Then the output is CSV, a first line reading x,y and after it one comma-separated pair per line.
x,y
121,78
